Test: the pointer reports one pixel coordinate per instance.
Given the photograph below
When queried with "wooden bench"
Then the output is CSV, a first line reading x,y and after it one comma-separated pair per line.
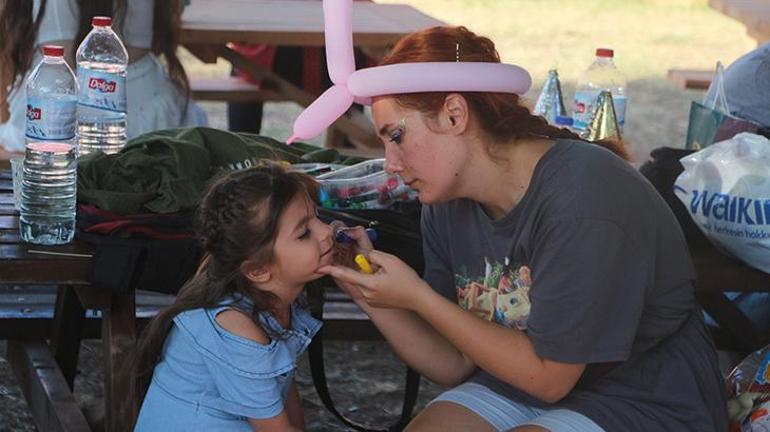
x,y
231,89
27,313
690,79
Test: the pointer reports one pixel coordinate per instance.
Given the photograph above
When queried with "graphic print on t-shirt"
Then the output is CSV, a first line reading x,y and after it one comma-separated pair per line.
x,y
500,294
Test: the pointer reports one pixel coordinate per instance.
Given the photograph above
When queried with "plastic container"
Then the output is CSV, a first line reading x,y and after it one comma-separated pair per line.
x,y
315,169
52,95
102,60
362,186
48,193
602,74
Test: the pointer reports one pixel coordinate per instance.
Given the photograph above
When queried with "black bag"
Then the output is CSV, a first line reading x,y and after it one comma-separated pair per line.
x,y
152,252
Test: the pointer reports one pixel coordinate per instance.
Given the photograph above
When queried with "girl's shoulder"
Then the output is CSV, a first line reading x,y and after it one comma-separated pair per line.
x,y
235,350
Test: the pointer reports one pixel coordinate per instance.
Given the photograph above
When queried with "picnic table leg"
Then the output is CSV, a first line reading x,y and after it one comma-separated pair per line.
x,y
67,332
119,340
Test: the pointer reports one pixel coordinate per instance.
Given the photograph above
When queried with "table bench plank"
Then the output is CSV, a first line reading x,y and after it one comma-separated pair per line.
x,y
53,406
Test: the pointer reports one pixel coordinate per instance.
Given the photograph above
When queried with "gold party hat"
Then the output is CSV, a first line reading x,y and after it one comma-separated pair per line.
x,y
604,122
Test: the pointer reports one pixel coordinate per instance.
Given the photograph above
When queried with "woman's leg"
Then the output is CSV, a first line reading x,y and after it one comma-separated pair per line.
x,y
447,417
472,406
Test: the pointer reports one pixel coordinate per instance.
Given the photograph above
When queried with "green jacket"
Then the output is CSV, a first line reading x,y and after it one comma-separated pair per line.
x,y
168,170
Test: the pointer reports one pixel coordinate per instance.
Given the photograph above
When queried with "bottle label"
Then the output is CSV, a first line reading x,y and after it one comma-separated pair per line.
x,y
102,90
585,103
50,120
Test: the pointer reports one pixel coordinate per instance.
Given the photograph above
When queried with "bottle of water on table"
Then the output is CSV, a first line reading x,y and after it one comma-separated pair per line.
x,y
48,193
102,59
52,96
602,74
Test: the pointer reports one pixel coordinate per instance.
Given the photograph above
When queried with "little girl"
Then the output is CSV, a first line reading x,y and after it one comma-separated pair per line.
x,y
222,357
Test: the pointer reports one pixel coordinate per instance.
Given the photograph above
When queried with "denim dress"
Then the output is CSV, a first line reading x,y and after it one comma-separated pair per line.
x,y
209,379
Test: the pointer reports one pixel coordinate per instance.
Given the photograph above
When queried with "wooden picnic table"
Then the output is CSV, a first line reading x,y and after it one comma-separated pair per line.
x,y
46,371
754,14
209,25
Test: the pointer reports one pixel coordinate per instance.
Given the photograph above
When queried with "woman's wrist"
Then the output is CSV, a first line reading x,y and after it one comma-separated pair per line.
x,y
424,297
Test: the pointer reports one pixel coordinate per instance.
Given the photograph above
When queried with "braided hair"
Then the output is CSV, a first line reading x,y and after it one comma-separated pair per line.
x,y
237,220
501,116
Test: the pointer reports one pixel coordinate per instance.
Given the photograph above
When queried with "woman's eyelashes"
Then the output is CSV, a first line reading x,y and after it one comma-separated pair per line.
x,y
397,135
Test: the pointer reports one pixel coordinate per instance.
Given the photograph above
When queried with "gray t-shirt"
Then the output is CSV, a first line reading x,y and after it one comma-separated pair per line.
x,y
593,266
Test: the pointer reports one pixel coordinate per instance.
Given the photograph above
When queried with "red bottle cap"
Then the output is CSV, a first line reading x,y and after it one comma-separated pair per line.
x,y
101,21
53,50
605,52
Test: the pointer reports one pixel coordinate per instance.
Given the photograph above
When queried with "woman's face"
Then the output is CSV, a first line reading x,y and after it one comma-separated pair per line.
x,y
427,159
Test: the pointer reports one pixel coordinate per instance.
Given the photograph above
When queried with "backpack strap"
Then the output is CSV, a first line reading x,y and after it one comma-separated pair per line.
x,y
318,372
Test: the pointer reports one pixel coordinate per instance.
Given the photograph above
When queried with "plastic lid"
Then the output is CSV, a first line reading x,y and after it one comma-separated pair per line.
x,y
50,147
101,21
53,50
605,52
563,120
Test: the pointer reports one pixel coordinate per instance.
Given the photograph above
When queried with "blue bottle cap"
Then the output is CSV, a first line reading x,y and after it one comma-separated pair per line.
x,y
563,121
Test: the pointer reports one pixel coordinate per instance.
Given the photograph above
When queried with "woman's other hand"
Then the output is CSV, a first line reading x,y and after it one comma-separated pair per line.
x,y
393,284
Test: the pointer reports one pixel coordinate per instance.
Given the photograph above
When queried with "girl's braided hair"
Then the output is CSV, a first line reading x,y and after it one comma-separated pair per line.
x,y
237,220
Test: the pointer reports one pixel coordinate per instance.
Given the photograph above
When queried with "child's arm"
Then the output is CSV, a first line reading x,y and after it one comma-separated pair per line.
x,y
294,406
279,423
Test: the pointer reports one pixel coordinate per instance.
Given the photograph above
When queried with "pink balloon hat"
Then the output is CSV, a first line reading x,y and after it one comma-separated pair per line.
x,y
350,85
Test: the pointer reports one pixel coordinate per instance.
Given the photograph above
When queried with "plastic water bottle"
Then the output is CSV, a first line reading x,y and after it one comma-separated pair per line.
x,y
601,75
52,96
48,193
102,61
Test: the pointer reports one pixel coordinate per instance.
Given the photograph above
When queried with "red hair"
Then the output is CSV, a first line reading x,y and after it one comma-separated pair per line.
x,y
502,116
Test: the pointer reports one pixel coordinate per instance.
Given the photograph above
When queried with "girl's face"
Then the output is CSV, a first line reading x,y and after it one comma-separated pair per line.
x,y
428,160
303,244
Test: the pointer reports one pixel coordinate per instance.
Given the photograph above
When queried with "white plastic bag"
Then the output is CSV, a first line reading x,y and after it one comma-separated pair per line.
x,y
726,189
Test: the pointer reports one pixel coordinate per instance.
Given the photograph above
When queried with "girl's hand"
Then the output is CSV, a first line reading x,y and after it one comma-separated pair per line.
x,y
393,284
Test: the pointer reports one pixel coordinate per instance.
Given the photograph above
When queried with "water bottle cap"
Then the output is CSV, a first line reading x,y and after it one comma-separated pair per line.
x,y
53,50
101,21
605,52
563,120
50,147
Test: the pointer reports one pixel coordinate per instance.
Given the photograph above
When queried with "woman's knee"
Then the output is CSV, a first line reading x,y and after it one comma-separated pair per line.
x,y
446,417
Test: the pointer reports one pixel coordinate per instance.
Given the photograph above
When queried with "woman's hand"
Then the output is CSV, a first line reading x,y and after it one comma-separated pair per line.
x,y
344,254
393,284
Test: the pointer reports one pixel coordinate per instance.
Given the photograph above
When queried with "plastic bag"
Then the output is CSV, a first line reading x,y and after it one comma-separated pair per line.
x,y
711,120
748,393
715,97
726,190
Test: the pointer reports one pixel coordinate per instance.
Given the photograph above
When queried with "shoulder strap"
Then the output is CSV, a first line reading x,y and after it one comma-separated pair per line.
x,y
318,372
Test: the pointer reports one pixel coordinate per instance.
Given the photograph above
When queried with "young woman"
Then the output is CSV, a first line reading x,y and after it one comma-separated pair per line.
x,y
222,357
157,99
575,286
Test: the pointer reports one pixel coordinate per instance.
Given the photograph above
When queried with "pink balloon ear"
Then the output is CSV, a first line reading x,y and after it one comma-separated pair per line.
x,y
338,31
333,103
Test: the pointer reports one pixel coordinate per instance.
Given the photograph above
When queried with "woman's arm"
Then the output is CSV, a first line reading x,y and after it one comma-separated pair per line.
x,y
420,346
450,333
413,340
